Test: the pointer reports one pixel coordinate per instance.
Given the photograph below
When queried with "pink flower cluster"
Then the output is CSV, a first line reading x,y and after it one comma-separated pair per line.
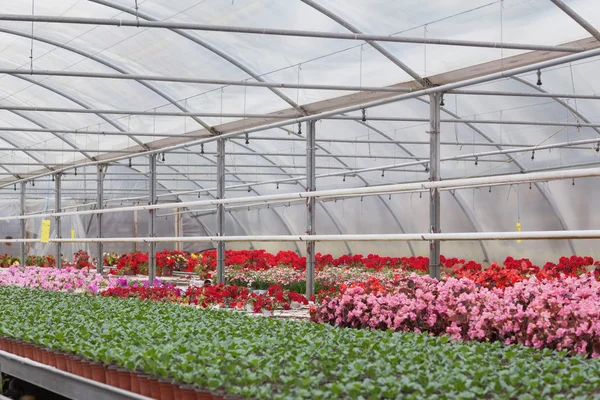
x,y
561,314
67,279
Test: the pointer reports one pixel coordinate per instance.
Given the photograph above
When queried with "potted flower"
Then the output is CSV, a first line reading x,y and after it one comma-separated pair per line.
x,y
110,259
5,261
81,260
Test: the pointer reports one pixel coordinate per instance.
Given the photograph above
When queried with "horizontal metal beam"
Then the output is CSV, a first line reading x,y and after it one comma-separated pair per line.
x,y
281,85
92,132
139,112
273,116
393,237
528,67
524,94
375,141
139,23
61,382
470,121
361,191
202,81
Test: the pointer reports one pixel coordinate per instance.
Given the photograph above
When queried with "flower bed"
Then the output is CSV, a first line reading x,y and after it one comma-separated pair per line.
x,y
67,279
219,296
270,358
556,314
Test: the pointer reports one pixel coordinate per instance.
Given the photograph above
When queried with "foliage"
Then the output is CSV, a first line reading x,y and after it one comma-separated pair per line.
x,y
268,358
561,314
39,261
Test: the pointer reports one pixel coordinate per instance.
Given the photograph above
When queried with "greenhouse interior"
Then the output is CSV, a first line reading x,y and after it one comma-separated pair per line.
x,y
301,199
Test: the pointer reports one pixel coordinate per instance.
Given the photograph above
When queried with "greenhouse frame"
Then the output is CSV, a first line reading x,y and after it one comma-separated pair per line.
x,y
353,172
386,109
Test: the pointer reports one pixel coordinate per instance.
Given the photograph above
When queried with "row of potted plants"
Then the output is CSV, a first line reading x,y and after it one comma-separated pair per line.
x,y
121,378
558,314
214,296
264,358
89,282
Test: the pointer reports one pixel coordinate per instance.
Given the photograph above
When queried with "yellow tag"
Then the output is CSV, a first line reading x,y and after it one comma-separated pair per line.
x,y
72,233
45,236
518,230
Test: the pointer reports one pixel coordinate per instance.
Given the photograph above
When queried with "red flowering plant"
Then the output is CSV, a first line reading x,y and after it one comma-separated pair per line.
x,y
132,264
168,261
198,264
218,295
159,293
81,260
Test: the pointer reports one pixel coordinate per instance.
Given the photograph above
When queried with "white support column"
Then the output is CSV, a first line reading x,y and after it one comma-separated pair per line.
x,y
23,222
99,206
152,217
310,207
434,176
220,210
58,206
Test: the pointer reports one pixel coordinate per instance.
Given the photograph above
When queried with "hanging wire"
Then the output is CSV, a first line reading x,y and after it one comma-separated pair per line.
x,y
298,82
31,45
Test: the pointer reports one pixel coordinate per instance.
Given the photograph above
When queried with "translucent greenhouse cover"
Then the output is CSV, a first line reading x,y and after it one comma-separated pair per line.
x,y
247,57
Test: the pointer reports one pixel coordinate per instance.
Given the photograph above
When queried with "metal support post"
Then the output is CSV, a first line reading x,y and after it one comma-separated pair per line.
x,y
135,229
152,216
434,176
23,222
99,206
57,206
221,210
178,227
310,207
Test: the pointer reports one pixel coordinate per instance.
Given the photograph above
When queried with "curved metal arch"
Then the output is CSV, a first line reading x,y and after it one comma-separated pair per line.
x,y
238,64
235,219
115,125
108,64
419,79
39,124
423,82
268,159
279,217
208,231
78,102
22,151
385,204
373,43
470,217
151,87
207,46
537,185
574,112
116,68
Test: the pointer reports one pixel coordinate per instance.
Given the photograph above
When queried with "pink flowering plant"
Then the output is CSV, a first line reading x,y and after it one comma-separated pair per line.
x,y
559,314
68,279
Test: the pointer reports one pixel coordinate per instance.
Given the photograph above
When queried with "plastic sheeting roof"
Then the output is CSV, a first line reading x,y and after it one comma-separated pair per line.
x,y
231,56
